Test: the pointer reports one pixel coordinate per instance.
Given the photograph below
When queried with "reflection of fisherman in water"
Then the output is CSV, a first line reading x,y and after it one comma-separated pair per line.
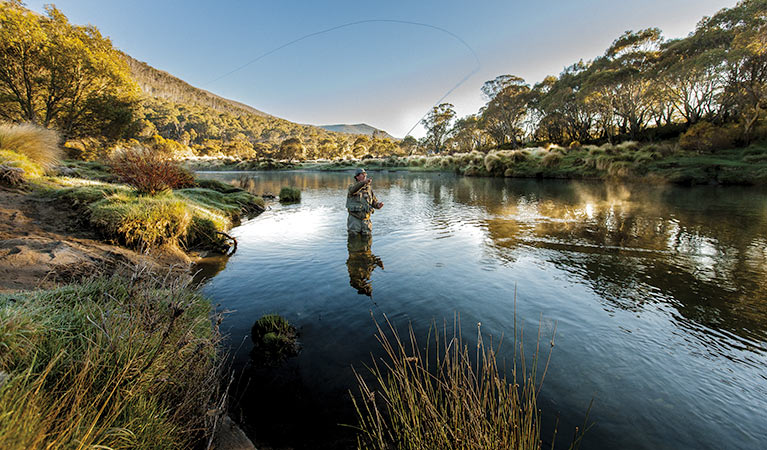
x,y
361,262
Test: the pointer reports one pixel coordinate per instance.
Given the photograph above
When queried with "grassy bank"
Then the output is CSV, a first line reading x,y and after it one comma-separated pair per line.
x,y
628,161
184,218
109,363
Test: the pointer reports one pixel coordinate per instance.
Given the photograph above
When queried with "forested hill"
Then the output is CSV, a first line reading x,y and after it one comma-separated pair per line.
x,y
358,128
159,84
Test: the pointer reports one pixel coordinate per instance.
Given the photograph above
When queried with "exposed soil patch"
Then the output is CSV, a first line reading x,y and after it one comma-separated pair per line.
x,y
44,243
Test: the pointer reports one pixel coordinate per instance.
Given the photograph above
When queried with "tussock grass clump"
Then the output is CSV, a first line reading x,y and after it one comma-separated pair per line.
x,y
445,396
290,195
621,169
139,221
109,363
274,340
39,144
148,171
518,156
551,159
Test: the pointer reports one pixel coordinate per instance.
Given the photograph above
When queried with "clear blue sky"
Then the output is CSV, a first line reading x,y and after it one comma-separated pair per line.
x,y
384,74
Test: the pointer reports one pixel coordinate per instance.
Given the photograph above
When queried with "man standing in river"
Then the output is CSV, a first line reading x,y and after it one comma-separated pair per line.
x,y
361,202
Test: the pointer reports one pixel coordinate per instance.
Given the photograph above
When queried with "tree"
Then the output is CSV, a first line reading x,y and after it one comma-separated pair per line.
x,y
507,109
621,78
740,34
437,124
291,148
55,74
468,134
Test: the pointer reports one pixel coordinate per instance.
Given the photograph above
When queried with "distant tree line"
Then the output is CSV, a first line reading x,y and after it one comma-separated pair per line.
x,y
711,86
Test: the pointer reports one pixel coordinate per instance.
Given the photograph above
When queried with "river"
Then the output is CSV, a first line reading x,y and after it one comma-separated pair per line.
x,y
656,293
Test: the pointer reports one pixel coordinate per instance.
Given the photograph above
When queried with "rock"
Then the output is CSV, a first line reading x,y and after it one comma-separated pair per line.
x,y
230,437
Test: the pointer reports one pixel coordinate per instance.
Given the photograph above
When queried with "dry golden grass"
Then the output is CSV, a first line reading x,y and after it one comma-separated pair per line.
x,y
39,144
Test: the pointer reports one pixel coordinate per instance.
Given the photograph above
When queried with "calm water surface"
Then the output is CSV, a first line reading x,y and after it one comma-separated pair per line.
x,y
657,295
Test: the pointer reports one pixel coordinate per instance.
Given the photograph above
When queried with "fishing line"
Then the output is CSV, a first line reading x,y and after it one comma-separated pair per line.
x,y
476,68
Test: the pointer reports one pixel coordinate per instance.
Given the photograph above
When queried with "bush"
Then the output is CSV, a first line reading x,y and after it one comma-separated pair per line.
x,y
109,363
40,145
704,137
149,172
290,195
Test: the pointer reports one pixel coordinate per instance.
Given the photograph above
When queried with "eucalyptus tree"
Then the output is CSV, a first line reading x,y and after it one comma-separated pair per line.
x,y
53,73
740,35
437,124
563,113
621,80
505,113
469,134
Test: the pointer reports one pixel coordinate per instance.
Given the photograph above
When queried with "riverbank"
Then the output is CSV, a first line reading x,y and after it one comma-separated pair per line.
x,y
105,342
628,161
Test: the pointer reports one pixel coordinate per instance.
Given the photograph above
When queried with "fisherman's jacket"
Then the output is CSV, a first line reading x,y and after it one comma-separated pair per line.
x,y
360,200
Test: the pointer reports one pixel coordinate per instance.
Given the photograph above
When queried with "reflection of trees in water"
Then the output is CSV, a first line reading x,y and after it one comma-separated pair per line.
x,y
672,245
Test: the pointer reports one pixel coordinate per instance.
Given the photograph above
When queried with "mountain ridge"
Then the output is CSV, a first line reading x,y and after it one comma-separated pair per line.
x,y
358,128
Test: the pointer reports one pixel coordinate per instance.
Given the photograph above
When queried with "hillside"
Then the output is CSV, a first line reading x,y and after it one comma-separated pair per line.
x,y
159,84
358,128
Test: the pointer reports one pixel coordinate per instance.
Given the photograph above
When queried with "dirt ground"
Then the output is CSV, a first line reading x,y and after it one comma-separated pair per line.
x,y
44,243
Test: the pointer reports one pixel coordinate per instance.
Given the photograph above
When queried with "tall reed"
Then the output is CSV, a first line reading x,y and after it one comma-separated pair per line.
x,y
445,397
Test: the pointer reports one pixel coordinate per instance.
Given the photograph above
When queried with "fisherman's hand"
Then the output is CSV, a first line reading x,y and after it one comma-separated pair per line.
x,y
379,205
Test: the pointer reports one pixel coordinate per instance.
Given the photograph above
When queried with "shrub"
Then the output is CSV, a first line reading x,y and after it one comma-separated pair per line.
x,y
109,363
40,145
149,172
290,195
704,137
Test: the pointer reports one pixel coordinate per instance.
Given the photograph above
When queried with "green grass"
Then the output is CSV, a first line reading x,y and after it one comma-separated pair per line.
x,y
142,221
109,363
442,395
181,218
290,195
274,340
13,159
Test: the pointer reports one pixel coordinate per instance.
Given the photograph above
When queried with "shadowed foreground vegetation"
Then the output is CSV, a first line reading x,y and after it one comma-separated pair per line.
x,y
109,363
447,397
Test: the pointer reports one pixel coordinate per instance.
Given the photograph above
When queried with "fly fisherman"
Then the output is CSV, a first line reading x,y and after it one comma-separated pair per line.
x,y
361,202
